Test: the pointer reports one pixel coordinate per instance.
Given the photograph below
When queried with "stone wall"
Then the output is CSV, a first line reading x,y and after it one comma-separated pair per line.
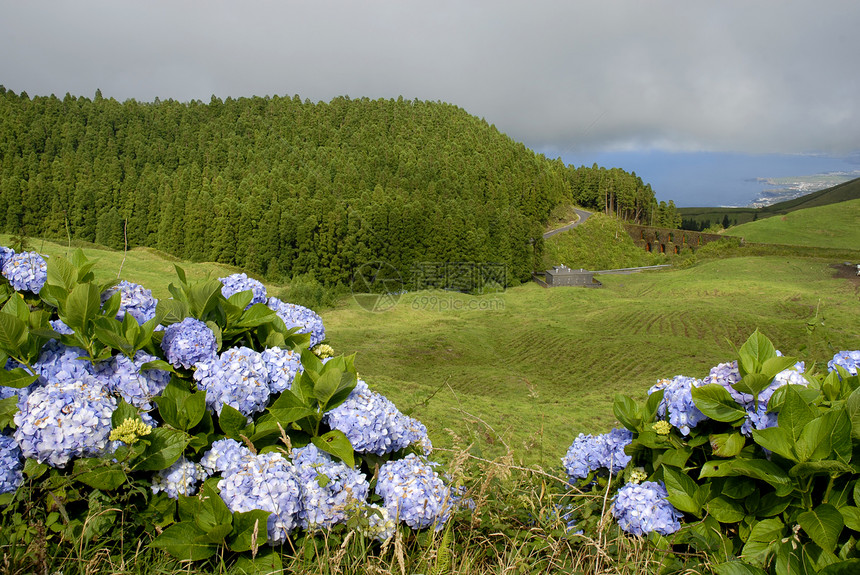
x,y
663,240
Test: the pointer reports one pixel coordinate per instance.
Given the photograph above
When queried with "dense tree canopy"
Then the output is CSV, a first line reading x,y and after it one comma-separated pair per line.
x,y
285,187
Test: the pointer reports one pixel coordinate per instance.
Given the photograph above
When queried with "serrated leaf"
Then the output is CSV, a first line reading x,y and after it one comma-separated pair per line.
x,y
725,510
241,299
336,443
777,364
682,491
180,540
726,444
13,334
714,401
823,525
17,378
171,311
845,567
851,517
754,352
761,469
33,469
165,447
753,383
776,439
795,413
61,273
122,412
8,409
82,306
249,530
822,435
99,474
627,412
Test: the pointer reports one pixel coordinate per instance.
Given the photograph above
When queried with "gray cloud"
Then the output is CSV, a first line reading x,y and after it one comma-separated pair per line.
x,y
767,76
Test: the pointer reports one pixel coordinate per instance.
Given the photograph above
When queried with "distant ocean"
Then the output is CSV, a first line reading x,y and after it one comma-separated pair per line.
x,y
693,179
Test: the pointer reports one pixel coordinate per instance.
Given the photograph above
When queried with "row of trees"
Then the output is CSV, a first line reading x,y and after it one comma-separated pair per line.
x,y
284,187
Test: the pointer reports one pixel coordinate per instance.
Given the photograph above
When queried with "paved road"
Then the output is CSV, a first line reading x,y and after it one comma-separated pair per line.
x,y
583,215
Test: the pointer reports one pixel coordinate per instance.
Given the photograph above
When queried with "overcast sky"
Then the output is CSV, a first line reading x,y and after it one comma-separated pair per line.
x,y
570,78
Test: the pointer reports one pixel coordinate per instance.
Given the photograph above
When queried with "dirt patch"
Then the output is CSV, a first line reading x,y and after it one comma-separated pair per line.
x,y
847,271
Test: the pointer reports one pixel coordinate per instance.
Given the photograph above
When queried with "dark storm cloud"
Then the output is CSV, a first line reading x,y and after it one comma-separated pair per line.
x,y
560,76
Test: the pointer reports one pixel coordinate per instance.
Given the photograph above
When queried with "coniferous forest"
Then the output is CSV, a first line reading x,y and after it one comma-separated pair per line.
x,y
286,187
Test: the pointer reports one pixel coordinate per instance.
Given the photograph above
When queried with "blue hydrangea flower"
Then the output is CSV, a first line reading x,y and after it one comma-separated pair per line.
x,y
643,508
225,456
849,360
238,378
136,386
678,402
58,326
5,255
268,482
69,418
187,342
297,316
413,493
331,490
11,465
27,271
727,374
134,299
589,453
58,362
373,424
282,365
181,478
237,283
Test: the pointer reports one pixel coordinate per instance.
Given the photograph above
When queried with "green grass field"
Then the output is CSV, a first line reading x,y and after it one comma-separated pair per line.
x,y
533,367
832,226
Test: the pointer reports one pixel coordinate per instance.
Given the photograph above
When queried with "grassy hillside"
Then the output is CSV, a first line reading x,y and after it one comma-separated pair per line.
x,y
600,243
841,193
831,226
533,367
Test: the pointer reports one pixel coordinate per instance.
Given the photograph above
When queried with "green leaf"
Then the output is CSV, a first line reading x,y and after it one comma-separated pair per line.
x,y
823,525
827,467
715,402
771,505
795,413
757,350
682,491
726,444
33,469
652,404
336,443
17,378
326,385
8,409
738,567
203,297
725,510
241,299
761,469
82,306
851,516
266,562
232,421
180,273
122,412
852,407
171,310
249,530
771,367
181,541
62,273
158,364
763,539
753,383
13,334
99,474
627,412
775,439
165,447
824,434
846,567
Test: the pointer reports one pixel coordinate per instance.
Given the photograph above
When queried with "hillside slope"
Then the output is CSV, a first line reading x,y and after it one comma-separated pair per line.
x,y
826,226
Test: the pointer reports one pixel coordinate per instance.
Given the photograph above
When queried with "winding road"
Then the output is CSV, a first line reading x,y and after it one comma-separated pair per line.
x,y
583,215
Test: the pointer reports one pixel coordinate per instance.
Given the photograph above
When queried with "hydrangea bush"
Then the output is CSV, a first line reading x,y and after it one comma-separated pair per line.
x,y
753,465
217,417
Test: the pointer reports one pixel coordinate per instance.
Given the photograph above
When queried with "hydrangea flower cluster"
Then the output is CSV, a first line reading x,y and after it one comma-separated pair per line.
x,y
181,478
59,362
27,271
268,482
849,360
5,255
236,283
60,327
238,378
282,365
187,342
330,489
11,465
134,299
69,418
644,507
298,316
592,452
225,456
135,386
413,493
374,425
677,405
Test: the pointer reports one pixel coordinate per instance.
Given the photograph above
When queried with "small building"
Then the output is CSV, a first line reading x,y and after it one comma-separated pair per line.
x,y
565,276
